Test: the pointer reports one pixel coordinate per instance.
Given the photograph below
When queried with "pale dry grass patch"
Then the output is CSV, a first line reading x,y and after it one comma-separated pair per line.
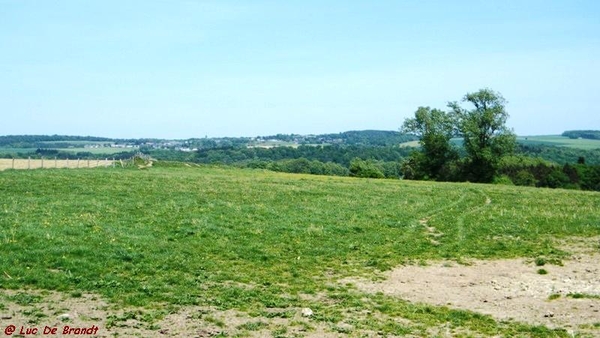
x,y
52,163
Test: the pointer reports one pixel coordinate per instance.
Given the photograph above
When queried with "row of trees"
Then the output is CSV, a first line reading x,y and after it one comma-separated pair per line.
x,y
560,154
357,168
340,154
536,172
587,134
486,139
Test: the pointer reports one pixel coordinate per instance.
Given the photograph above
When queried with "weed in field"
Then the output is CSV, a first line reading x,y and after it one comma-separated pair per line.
x,y
583,296
215,321
34,314
253,326
22,298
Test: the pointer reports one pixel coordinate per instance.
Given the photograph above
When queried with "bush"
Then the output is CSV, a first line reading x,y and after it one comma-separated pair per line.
x,y
365,169
503,180
525,178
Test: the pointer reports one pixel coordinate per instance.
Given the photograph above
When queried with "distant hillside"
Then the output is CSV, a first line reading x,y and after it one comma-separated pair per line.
x,y
560,141
585,134
33,141
353,137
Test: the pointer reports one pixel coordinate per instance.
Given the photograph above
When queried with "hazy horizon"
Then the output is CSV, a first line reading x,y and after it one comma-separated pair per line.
x,y
190,69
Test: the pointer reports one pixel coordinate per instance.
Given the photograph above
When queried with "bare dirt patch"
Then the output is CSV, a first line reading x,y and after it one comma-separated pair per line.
x,y
510,289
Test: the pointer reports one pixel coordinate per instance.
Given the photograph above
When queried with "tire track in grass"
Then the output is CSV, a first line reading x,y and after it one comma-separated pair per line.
x,y
431,232
460,220
434,234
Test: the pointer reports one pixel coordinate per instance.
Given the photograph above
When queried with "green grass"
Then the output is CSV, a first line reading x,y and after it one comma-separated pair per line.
x,y
561,141
251,240
583,296
11,151
554,296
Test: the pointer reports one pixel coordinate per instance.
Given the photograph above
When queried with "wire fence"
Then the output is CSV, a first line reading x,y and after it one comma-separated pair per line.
x,y
140,160
55,163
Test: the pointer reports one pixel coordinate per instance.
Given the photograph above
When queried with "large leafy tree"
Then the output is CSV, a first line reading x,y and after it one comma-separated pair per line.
x,y
486,137
434,128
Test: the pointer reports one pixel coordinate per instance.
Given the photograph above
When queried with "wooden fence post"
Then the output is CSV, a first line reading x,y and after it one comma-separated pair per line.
x,y
13,163
29,162
88,162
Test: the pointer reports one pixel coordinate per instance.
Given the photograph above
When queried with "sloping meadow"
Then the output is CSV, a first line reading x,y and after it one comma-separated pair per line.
x,y
258,242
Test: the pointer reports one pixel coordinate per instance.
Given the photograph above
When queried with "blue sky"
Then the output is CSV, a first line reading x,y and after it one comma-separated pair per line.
x,y
181,69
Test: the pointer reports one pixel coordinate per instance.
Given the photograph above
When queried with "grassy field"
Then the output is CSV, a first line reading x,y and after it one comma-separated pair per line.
x,y
263,243
560,141
10,151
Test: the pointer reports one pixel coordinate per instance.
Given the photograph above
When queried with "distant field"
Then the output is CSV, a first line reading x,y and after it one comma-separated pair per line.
x,y
411,144
104,150
550,140
561,141
219,244
17,150
51,163
63,143
96,151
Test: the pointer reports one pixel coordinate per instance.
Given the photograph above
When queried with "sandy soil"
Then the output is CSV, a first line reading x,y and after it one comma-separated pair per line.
x,y
507,289
51,163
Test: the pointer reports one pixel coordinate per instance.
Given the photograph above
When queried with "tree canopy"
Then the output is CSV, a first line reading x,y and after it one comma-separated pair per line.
x,y
486,139
435,128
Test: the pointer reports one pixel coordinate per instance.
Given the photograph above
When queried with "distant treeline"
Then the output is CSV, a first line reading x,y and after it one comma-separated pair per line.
x,y
30,141
531,166
40,141
587,134
377,138
560,155
339,160
342,155
350,154
62,155
536,172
